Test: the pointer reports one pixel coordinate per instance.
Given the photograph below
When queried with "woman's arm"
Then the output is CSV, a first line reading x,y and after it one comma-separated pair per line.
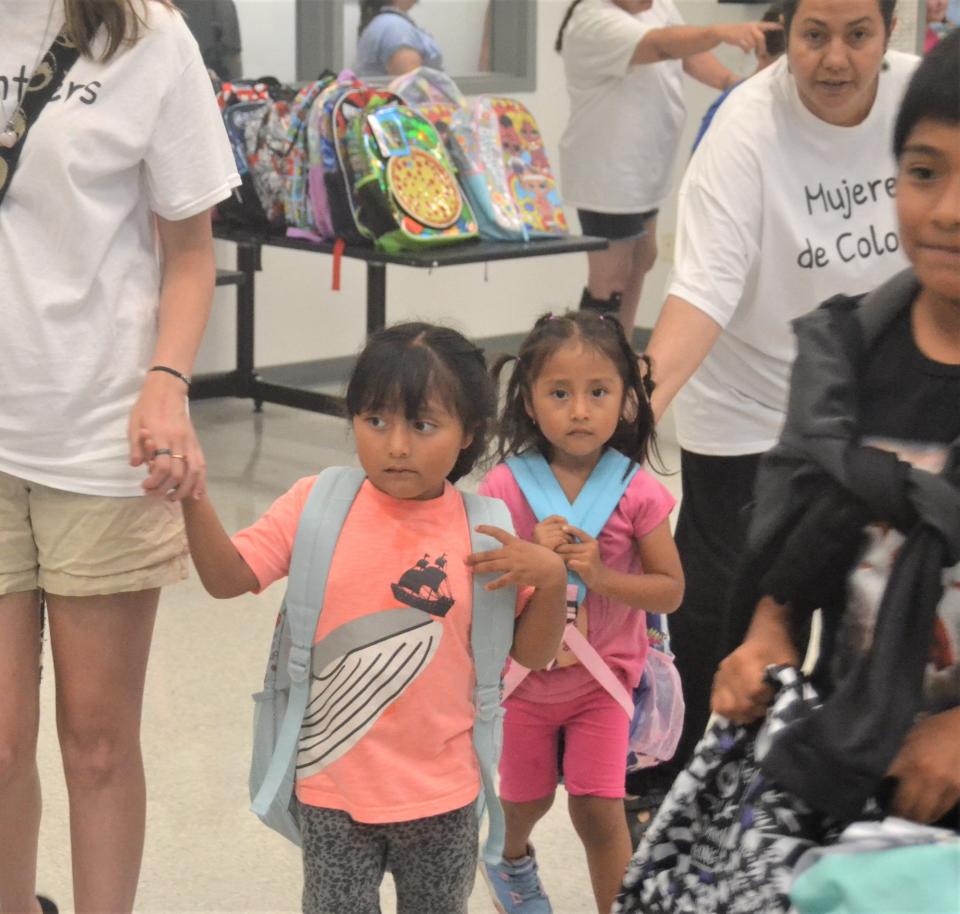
x,y
659,589
706,69
681,339
160,413
222,569
739,692
675,42
403,60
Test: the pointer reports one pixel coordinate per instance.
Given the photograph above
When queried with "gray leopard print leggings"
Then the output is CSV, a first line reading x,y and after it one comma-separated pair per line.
x,y
433,862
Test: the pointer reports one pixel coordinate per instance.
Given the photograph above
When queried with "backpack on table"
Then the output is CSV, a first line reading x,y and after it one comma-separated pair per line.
x,y
297,203
655,706
472,145
529,176
322,154
405,193
279,708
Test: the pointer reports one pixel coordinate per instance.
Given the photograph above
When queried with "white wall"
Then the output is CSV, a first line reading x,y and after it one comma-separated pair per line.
x,y
299,318
268,35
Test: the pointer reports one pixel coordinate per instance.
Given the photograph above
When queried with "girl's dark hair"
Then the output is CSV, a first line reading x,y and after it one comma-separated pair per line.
x,y
634,436
789,9
121,18
558,45
403,366
369,9
933,93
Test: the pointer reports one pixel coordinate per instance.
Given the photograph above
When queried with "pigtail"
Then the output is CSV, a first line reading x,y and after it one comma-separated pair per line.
x,y
516,431
558,46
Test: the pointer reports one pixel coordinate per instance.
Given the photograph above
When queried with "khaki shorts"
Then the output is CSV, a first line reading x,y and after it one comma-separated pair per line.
x,y
82,545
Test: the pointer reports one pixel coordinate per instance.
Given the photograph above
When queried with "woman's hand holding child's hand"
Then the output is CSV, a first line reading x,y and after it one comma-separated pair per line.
x,y
520,562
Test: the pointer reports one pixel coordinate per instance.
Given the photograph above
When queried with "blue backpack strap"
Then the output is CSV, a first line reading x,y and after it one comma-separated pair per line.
x,y
319,527
491,637
591,510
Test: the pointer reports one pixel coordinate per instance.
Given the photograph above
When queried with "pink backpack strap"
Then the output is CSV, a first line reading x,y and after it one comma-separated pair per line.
x,y
586,653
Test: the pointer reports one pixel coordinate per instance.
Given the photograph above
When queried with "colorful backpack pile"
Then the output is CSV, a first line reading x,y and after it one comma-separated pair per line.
x,y
342,160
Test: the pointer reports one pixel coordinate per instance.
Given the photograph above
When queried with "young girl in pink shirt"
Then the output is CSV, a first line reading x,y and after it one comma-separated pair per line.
x,y
400,792
576,392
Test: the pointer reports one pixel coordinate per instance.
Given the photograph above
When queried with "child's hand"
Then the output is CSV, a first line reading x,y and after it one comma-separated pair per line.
x,y
583,557
549,532
521,562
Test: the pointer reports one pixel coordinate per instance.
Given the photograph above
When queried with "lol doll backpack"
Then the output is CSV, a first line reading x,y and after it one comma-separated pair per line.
x,y
528,174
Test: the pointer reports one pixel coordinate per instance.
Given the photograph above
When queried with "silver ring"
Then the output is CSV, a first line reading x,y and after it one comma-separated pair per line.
x,y
163,452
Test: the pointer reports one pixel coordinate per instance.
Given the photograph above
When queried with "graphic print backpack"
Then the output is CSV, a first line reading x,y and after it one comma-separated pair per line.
x,y
279,709
339,174
529,177
475,154
404,189
322,154
297,205
725,838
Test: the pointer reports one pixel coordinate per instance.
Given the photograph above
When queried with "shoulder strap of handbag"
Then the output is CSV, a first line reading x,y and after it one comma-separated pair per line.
x,y
590,511
491,633
53,67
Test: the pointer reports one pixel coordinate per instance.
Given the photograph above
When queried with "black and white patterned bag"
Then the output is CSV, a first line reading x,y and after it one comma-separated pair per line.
x,y
726,839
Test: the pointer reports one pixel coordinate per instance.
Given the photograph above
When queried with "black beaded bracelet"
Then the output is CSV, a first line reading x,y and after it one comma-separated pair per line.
x,y
177,374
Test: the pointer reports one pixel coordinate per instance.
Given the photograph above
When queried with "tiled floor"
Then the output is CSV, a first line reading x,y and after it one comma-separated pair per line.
x,y
205,851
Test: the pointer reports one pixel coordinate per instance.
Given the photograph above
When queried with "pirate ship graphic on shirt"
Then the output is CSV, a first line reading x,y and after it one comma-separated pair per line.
x,y
425,586
361,667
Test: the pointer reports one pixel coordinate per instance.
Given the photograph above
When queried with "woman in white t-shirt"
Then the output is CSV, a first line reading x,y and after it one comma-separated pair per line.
x,y
788,200
106,279
624,62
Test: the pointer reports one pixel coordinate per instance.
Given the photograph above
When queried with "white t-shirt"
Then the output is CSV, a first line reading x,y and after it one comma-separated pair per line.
x,y
778,211
79,258
617,151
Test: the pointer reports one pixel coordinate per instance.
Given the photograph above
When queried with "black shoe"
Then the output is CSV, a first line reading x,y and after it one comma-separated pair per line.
x,y
47,906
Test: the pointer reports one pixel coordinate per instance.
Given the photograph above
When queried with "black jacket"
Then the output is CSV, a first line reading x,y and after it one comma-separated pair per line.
x,y
815,491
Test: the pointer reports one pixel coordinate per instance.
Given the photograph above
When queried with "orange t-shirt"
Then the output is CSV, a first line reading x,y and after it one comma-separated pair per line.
x,y
387,735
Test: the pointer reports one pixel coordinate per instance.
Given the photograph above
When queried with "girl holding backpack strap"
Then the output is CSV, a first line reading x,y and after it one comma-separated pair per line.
x,y
577,426
624,62
387,772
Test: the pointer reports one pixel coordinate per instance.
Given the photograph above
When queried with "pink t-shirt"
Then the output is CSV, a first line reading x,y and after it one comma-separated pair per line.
x,y
617,631
395,708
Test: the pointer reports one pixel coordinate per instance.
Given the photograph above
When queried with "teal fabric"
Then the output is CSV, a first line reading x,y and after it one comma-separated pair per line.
x,y
592,507
923,879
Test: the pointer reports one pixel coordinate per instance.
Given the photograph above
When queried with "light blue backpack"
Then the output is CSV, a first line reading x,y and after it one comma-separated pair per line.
x,y
279,708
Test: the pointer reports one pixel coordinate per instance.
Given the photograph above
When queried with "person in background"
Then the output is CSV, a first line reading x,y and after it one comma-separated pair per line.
x,y
624,62
390,42
106,279
937,24
774,45
788,200
215,25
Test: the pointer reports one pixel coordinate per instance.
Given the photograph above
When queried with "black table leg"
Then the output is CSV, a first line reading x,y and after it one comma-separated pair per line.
x,y
376,297
248,263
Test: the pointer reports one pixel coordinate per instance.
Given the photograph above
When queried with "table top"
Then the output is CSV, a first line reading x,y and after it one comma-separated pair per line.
x,y
451,255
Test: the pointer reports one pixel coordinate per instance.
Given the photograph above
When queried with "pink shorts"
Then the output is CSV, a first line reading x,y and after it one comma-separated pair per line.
x,y
595,732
